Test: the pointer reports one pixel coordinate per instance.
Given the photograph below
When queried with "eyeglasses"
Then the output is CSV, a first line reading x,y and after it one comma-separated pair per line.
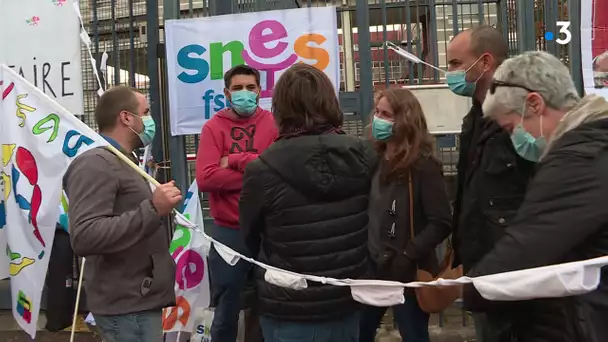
x,y
496,84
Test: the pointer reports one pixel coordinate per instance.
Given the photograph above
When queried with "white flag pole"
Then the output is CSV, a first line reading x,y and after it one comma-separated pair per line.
x,y
80,276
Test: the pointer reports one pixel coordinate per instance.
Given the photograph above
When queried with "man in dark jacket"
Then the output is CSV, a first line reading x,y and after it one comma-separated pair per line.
x,y
563,217
492,178
60,295
303,208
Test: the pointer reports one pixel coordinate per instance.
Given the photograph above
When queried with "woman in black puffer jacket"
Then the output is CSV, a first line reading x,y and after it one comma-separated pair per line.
x,y
303,208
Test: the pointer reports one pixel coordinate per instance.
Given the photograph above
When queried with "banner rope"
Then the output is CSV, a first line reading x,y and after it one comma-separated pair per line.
x,y
86,40
182,220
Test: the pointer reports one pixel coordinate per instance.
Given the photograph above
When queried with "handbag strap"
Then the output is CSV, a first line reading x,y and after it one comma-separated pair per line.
x,y
411,204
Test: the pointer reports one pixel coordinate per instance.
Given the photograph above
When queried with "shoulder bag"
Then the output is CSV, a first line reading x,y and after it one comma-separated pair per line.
x,y
432,299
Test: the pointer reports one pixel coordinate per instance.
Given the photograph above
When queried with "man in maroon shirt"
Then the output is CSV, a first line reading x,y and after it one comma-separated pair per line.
x,y
229,140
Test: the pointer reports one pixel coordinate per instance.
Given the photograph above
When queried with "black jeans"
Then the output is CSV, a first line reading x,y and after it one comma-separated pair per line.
x,y
493,328
413,323
227,282
340,330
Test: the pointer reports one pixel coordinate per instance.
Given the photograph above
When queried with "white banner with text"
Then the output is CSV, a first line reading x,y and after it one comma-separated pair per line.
x,y
201,50
40,40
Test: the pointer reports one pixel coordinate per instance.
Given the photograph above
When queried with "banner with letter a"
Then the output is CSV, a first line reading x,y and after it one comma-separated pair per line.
x,y
201,50
40,40
39,139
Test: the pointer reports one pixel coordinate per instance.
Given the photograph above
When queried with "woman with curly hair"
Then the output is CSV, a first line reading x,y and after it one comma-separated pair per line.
x,y
409,211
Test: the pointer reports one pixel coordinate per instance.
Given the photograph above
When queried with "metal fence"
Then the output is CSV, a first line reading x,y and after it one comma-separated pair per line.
x,y
421,27
527,21
129,33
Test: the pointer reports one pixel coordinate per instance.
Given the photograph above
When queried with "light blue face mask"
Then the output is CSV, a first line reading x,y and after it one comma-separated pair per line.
x,y
525,144
457,81
149,132
147,135
244,102
382,129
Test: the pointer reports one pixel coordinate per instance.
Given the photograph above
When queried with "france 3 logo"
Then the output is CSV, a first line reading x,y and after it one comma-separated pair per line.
x,y
564,35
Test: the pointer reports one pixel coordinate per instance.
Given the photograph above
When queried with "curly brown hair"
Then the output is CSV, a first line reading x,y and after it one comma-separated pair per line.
x,y
411,138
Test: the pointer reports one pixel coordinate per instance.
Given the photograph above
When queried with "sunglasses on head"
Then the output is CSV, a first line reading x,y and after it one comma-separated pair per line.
x,y
496,84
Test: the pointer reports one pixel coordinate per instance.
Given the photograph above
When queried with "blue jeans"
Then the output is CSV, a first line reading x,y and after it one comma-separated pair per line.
x,y
144,326
227,282
341,330
413,323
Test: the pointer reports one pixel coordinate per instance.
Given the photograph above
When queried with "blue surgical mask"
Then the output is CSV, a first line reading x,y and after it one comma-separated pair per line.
x,y
382,129
526,145
458,84
244,102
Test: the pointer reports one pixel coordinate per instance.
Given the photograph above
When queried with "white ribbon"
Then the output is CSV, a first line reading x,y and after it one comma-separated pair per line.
x,y
86,40
553,281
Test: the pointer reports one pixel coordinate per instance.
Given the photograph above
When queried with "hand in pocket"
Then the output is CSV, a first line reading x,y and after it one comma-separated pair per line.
x,y
404,268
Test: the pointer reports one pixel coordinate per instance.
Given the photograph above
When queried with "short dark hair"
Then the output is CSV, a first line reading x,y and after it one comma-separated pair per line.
x,y
487,39
305,99
112,102
241,70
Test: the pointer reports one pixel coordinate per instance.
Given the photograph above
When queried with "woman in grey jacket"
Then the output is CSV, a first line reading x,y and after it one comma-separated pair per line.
x,y
407,171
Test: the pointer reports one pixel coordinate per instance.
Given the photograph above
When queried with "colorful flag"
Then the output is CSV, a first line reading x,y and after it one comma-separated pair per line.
x,y
189,250
39,139
148,164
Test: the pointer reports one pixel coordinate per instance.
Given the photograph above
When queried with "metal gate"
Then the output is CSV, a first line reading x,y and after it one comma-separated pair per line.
x,y
130,33
423,27
527,22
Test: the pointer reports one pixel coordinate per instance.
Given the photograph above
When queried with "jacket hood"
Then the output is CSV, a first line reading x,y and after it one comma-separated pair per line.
x,y
585,119
327,167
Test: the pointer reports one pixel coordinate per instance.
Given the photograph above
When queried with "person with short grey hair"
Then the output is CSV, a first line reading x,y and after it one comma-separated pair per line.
x,y
563,217
539,75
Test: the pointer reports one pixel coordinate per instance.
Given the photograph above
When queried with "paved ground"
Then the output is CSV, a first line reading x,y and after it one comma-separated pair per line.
x,y
14,336
451,329
10,331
